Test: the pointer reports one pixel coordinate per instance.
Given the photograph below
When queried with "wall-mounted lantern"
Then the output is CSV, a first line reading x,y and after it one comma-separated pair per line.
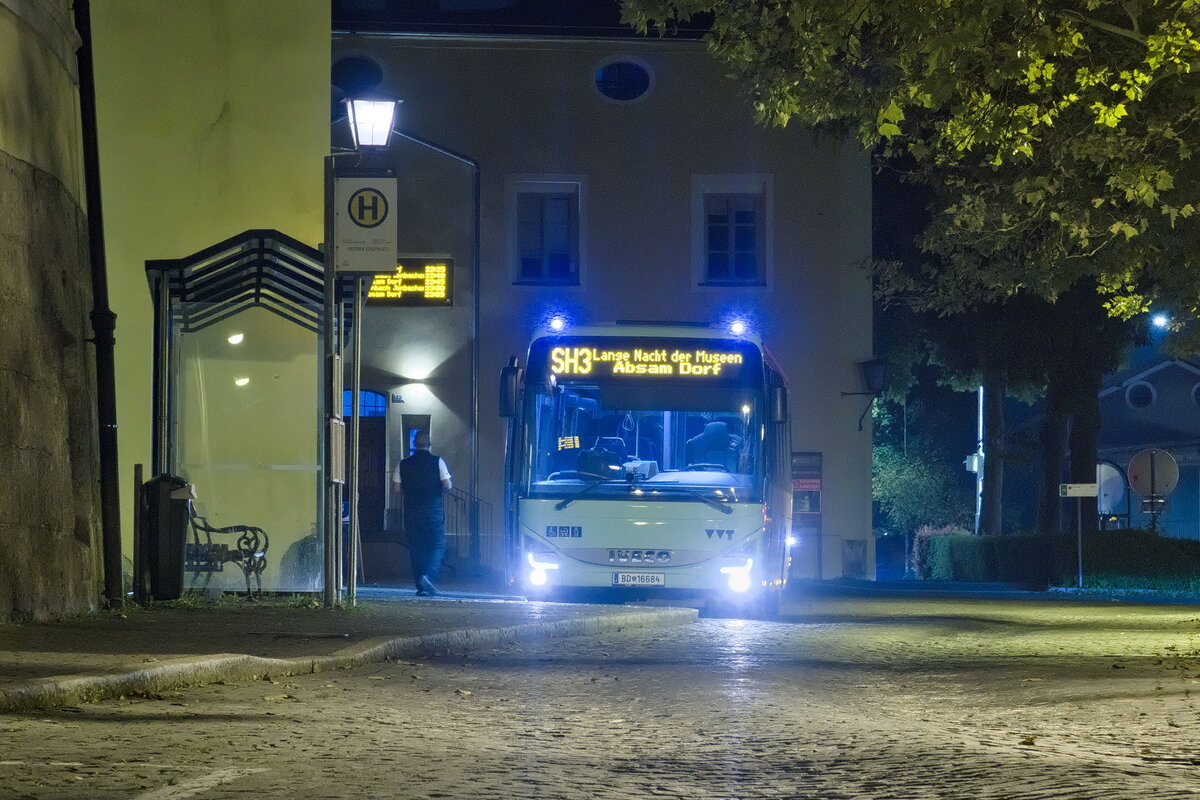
x,y
876,377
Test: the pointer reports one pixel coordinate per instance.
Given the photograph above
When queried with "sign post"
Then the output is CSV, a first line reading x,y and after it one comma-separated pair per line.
x,y
1153,474
1078,491
360,237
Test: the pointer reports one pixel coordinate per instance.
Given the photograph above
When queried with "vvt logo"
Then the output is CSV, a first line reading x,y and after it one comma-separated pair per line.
x,y
720,533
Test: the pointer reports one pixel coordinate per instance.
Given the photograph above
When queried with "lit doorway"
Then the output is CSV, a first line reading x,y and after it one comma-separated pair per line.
x,y
372,461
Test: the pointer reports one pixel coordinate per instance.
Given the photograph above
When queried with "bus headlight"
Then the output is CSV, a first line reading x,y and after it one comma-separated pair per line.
x,y
738,575
539,563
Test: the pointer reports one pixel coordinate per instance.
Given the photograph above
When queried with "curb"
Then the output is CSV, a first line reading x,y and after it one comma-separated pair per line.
x,y
196,671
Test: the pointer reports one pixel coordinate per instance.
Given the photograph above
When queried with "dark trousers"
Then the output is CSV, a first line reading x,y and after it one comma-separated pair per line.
x,y
425,528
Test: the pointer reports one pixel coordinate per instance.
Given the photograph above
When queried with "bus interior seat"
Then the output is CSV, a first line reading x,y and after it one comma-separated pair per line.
x,y
614,445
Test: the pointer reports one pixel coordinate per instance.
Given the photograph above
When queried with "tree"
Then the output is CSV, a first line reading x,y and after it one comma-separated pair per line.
x,y
918,488
1060,130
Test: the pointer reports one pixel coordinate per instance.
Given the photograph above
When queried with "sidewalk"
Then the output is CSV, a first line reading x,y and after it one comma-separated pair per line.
x,y
848,587
146,650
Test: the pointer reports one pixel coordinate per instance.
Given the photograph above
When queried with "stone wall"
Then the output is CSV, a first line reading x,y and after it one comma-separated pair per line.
x,y
49,499
49,496
49,492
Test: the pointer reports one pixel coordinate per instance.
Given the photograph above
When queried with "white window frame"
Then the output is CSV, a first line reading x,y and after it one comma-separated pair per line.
x,y
762,184
516,185
1153,395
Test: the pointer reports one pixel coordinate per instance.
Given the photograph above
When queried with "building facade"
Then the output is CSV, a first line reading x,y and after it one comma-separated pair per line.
x,y
620,179
1155,403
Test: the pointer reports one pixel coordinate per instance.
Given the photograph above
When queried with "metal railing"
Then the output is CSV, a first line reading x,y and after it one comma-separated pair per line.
x,y
460,507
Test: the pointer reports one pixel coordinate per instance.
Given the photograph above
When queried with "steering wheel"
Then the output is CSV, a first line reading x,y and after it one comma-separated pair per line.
x,y
706,467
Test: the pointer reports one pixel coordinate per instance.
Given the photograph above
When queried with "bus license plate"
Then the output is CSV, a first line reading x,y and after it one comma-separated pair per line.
x,y
639,579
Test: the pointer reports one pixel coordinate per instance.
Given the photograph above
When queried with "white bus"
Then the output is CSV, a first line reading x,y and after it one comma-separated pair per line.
x,y
648,460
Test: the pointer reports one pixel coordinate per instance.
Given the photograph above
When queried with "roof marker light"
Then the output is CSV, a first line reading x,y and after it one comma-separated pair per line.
x,y
738,327
557,323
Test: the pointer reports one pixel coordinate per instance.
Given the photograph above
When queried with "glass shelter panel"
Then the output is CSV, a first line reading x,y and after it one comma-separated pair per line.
x,y
246,417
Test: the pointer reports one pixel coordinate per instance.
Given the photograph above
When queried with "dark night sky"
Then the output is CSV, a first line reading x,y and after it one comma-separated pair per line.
x,y
594,18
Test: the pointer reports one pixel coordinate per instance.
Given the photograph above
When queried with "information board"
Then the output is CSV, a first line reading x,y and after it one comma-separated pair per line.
x,y
414,282
615,358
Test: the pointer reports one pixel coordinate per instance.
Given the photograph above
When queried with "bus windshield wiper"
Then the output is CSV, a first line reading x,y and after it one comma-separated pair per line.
x,y
559,506
717,504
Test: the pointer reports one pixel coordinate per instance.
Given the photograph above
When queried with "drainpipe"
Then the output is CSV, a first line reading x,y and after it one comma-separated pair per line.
x,y
104,321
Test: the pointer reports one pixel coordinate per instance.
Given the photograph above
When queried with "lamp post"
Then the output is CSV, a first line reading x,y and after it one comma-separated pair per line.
x,y
372,125
371,122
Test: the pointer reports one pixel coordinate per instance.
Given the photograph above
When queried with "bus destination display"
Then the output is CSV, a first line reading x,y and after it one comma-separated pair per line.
x,y
681,359
416,282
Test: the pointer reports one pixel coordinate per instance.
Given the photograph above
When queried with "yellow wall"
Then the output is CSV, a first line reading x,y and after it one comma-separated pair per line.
x,y
214,119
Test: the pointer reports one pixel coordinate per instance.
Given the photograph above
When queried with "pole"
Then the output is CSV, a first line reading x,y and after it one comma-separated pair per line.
x,y
1079,538
104,321
331,522
139,554
355,391
979,462
1153,495
162,380
339,452
477,291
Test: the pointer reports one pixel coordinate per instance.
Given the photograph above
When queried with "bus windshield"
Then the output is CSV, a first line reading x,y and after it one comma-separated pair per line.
x,y
667,439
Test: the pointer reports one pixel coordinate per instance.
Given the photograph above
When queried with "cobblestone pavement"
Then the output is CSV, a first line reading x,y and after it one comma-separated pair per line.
x,y
943,700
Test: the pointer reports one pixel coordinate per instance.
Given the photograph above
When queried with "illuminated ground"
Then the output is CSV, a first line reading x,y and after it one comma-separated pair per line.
x,y
845,698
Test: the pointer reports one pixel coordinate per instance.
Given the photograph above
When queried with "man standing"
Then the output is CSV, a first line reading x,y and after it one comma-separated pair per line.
x,y
421,478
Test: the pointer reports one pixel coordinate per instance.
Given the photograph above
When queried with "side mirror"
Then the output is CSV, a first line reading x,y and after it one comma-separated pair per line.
x,y
779,404
510,389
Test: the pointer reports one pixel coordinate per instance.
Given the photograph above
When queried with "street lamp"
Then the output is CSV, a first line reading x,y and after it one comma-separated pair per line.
x,y
371,120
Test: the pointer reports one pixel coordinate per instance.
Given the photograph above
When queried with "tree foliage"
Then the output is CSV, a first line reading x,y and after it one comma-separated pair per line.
x,y
918,488
1059,134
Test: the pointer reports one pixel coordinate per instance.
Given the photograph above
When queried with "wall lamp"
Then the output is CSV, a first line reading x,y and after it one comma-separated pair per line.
x,y
876,376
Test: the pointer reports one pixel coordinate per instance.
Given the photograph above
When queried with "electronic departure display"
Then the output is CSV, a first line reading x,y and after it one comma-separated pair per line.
x,y
416,282
613,358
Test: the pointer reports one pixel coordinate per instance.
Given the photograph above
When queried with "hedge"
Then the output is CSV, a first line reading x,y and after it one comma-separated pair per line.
x,y
1112,559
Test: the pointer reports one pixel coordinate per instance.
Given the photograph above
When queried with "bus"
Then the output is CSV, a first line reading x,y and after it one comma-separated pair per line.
x,y
648,460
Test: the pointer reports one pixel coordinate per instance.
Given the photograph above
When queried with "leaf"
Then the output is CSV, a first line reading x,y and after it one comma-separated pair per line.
x,y
1123,227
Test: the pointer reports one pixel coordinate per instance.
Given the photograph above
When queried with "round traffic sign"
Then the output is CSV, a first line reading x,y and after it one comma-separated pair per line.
x,y
1153,473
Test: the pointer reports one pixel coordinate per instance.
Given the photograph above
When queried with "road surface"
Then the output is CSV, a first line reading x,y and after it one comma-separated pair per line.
x,y
842,698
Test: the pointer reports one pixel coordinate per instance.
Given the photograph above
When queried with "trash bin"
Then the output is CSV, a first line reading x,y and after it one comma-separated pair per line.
x,y
165,517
